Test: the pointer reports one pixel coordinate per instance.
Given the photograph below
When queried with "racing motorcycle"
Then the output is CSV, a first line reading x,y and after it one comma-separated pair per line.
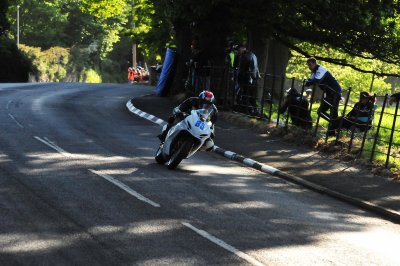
x,y
186,137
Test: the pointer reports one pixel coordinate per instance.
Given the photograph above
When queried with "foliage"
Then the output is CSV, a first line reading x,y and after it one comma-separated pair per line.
x,y
15,66
50,64
90,76
347,77
151,30
4,25
71,22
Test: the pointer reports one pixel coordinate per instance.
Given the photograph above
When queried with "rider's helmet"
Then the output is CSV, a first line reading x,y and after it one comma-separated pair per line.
x,y
206,97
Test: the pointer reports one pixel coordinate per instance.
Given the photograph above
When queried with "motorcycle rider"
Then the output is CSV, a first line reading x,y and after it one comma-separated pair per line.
x,y
205,100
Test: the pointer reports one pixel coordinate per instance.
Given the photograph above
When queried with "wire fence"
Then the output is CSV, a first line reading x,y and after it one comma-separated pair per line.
x,y
320,113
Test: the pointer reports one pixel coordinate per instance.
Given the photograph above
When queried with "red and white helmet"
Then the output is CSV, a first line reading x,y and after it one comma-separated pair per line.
x,y
207,96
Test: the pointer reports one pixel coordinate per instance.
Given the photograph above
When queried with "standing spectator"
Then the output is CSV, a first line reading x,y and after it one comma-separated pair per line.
x,y
328,84
248,74
194,50
201,67
297,106
394,98
231,56
131,75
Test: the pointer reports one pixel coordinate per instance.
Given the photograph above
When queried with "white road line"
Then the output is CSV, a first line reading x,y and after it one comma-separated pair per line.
x,y
224,245
54,146
8,104
15,120
126,188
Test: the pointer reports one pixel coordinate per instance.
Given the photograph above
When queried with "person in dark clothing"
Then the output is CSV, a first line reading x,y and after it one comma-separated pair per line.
x,y
248,74
360,117
297,106
394,98
200,67
328,84
205,100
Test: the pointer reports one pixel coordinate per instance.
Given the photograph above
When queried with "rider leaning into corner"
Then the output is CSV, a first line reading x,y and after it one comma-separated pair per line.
x,y
205,100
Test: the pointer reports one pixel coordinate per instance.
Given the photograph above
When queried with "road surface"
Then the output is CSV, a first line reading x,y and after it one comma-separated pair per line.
x,y
79,186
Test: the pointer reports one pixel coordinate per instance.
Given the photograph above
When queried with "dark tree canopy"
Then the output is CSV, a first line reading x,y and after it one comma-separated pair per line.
x,y
369,29
4,25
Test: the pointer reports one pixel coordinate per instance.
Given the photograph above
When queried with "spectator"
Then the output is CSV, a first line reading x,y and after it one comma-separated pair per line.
x,y
231,56
329,85
360,117
248,74
131,75
297,106
394,98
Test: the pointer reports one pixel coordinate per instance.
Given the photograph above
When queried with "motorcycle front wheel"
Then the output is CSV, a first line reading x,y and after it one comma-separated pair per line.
x,y
159,157
181,151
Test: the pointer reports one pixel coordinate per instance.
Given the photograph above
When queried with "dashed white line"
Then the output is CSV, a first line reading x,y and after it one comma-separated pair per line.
x,y
54,146
15,120
224,245
126,188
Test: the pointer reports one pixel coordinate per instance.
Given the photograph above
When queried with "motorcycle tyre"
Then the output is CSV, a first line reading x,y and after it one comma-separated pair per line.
x,y
159,157
179,155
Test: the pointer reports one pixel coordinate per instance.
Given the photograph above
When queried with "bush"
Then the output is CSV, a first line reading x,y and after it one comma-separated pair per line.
x,y
90,76
15,66
50,65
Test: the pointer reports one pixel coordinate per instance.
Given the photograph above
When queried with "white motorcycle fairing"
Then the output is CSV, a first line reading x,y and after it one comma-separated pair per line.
x,y
186,138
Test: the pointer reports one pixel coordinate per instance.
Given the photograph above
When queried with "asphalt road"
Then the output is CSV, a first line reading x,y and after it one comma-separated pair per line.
x,y
79,186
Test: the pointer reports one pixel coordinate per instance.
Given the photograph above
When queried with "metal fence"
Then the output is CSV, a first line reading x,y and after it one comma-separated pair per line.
x,y
264,97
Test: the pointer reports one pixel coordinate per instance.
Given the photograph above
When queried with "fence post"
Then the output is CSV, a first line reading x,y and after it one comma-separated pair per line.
x,y
272,89
280,99
312,96
232,86
366,131
391,134
343,114
226,77
379,127
263,96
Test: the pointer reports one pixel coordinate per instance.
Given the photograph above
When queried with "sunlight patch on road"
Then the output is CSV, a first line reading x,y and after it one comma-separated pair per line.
x,y
204,169
4,158
39,158
153,227
246,205
22,243
138,228
379,245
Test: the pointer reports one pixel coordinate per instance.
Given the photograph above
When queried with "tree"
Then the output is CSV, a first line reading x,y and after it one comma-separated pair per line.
x,y
358,28
14,67
4,25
